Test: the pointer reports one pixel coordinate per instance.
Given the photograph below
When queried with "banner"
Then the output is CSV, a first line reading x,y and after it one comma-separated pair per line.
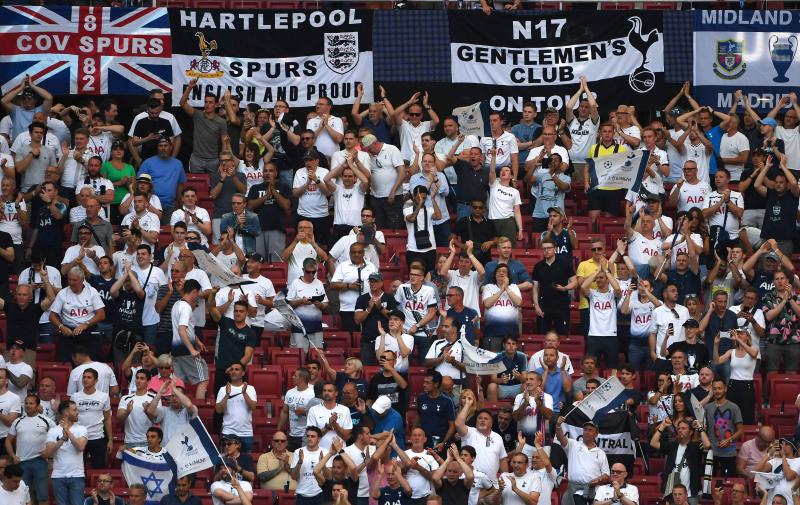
x,y
192,449
519,58
282,306
749,50
154,474
618,171
480,361
600,397
263,56
617,434
85,50
473,119
212,265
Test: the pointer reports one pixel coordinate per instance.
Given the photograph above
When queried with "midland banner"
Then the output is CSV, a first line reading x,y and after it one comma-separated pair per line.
x,y
541,58
749,50
85,50
266,55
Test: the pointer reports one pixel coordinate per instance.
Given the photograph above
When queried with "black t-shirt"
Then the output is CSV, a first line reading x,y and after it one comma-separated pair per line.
x,y
342,379
509,435
270,215
145,127
22,324
472,184
382,385
103,287
390,496
779,215
467,229
369,327
549,275
51,230
696,354
232,342
5,266
752,199
454,494
128,309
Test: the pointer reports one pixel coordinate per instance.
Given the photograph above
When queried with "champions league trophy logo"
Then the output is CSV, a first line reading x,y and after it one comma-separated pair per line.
x,y
642,79
782,56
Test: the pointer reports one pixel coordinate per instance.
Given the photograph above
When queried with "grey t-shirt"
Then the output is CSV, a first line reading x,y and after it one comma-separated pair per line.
x,y
35,172
207,135
222,204
721,421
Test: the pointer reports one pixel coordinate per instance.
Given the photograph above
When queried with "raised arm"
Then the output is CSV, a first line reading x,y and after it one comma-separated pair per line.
x,y
184,102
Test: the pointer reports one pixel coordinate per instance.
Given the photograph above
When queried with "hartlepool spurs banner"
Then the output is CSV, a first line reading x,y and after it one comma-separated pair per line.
x,y
263,56
85,50
541,58
749,50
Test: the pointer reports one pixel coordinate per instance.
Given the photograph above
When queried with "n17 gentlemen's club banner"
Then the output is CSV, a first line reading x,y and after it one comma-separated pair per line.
x,y
749,50
85,50
264,56
541,58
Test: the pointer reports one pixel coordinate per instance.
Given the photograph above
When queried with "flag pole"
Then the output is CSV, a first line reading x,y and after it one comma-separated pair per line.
x,y
221,459
587,396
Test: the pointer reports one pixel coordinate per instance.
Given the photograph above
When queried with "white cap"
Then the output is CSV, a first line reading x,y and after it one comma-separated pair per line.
x,y
382,404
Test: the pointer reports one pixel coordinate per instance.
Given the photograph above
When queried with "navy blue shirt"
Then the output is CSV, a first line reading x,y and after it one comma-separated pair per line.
x,y
171,499
688,283
466,319
435,415
517,272
391,496
518,363
716,324
763,282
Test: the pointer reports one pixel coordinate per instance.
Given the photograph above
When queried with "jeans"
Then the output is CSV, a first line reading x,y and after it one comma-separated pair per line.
x,y
441,232
423,344
388,215
638,353
68,490
149,333
35,473
96,450
605,346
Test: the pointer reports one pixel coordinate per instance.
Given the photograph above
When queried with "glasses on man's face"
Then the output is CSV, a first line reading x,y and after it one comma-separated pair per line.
x,y
617,472
597,249
415,114
306,138
310,272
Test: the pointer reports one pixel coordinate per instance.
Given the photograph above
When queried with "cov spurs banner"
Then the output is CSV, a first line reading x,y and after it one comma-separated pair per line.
x,y
541,58
749,50
85,50
263,56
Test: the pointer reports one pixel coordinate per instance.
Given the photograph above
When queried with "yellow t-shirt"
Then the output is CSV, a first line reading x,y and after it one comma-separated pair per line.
x,y
585,269
602,150
267,462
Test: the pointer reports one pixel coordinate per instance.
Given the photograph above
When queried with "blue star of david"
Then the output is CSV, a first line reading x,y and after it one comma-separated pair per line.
x,y
156,481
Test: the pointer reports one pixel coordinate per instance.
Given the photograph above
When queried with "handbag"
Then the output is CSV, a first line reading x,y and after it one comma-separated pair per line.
x,y
674,476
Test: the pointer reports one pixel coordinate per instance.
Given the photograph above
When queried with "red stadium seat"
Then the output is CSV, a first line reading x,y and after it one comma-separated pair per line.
x,y
783,388
268,380
59,372
290,356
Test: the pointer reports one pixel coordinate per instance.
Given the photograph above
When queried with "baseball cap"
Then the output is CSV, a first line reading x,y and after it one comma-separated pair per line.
x,y
556,209
398,314
382,404
590,423
675,112
165,138
368,140
256,257
232,438
691,323
145,178
311,154
769,121
118,144
18,343
375,276
772,255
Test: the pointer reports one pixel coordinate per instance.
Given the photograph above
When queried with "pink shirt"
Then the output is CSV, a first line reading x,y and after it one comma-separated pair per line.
x,y
750,454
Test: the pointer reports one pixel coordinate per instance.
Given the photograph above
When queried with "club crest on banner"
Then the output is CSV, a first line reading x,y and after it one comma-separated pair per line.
x,y
341,51
206,67
730,60
642,79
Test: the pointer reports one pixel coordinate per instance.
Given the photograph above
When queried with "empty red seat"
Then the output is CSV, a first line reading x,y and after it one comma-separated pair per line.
x,y
268,380
783,388
289,356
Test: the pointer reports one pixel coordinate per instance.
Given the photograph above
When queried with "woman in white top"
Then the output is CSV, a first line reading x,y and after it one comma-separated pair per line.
x,y
602,338
349,185
419,219
504,202
640,303
13,216
501,302
743,364
252,166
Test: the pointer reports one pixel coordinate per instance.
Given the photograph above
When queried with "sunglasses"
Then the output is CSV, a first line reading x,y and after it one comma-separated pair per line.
x,y
597,249
310,271
280,440
617,472
306,138
415,114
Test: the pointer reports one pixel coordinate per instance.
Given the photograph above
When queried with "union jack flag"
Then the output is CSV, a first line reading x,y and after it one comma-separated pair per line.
x,y
86,50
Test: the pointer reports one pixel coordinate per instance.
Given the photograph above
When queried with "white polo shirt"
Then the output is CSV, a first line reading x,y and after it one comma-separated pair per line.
x,y
585,464
319,415
347,272
420,486
490,450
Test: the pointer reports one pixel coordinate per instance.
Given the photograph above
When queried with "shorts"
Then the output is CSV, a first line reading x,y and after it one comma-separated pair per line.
x,y
190,369
606,200
505,391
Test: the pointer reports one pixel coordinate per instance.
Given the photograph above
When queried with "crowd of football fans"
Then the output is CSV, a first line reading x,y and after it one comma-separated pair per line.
x,y
134,278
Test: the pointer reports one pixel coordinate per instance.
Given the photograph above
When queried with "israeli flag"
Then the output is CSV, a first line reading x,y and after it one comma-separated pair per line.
x,y
155,474
191,450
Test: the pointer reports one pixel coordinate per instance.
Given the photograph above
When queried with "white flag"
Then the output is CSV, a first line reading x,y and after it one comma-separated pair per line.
x,y
192,450
602,396
480,361
212,265
697,409
154,474
619,171
281,305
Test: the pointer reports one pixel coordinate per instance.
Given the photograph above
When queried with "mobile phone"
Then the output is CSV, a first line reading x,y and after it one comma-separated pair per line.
x,y
724,334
